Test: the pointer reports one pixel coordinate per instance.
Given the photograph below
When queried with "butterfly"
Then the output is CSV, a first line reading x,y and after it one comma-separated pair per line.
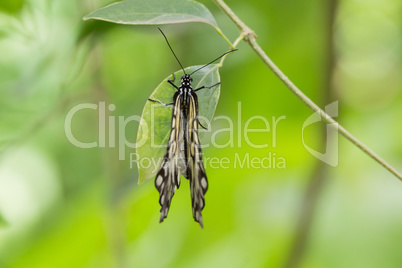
x,y
183,154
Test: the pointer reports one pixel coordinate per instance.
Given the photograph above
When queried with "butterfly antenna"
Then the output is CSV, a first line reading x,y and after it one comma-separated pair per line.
x,y
171,49
230,51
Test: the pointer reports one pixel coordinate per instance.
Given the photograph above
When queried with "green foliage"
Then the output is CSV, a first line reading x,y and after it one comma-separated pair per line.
x,y
155,125
152,12
72,207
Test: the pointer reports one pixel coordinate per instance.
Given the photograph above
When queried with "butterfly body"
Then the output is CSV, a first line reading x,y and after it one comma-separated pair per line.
x,y
183,154
186,91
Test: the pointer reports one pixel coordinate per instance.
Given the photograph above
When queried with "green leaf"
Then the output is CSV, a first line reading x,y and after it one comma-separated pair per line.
x,y
151,12
154,128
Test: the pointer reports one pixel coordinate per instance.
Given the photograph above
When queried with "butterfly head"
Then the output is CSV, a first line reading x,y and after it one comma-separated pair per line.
x,y
186,79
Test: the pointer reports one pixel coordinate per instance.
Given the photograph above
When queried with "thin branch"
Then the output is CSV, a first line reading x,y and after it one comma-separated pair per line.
x,y
250,38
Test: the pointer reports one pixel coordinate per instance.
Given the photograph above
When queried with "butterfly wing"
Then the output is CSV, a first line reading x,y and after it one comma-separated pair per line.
x,y
196,171
168,177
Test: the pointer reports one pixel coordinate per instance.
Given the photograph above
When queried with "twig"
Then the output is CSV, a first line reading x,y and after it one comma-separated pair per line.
x,y
250,38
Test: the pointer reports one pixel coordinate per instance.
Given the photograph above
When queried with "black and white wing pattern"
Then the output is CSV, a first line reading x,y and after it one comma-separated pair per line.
x,y
196,171
168,177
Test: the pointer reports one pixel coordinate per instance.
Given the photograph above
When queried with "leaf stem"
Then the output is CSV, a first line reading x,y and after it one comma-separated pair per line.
x,y
237,41
250,38
224,37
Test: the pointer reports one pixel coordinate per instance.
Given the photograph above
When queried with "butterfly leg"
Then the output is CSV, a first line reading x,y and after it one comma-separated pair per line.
x,y
172,81
202,125
199,123
174,78
166,104
214,85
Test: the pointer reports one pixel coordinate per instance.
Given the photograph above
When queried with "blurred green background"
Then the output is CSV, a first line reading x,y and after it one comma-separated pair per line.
x,y
63,206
